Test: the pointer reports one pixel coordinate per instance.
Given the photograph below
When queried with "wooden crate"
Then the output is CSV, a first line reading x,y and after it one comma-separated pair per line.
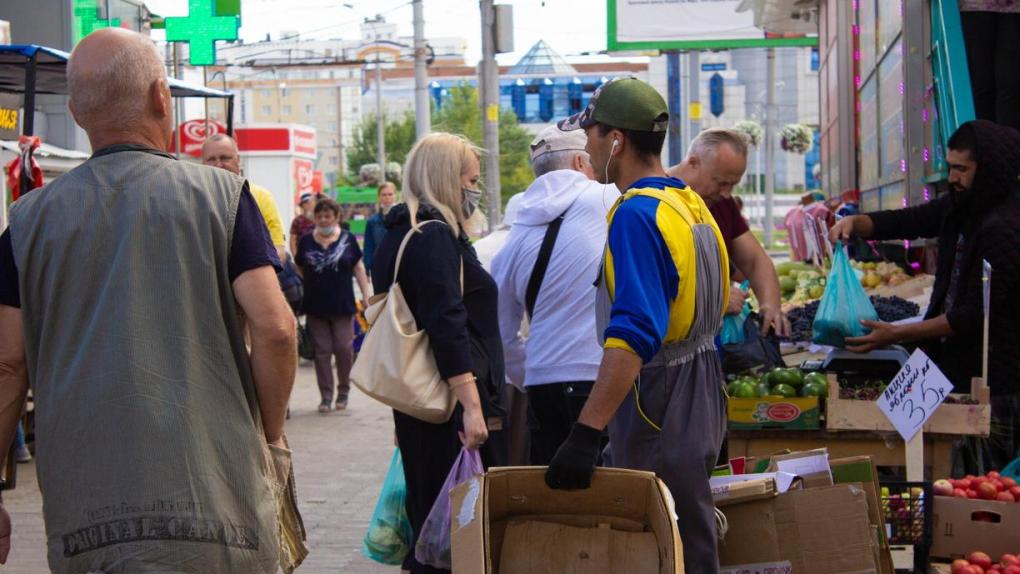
x,y
855,415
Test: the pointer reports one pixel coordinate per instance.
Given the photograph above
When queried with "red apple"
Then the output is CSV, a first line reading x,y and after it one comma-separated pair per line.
x,y
971,493
978,480
980,559
942,488
1011,569
1004,497
1015,491
964,483
1008,560
993,474
999,486
959,565
1009,481
986,491
995,569
959,493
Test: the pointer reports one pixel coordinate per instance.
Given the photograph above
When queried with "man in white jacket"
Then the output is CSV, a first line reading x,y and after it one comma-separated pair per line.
x,y
559,359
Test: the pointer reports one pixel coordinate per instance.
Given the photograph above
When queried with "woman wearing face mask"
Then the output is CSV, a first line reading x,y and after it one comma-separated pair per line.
x,y
375,227
328,257
441,193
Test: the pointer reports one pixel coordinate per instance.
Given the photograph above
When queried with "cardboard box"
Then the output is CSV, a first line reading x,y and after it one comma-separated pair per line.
x,y
861,469
822,530
796,413
509,516
961,526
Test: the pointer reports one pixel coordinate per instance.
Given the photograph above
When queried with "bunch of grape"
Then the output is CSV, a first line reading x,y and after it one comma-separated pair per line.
x,y
894,308
801,319
867,391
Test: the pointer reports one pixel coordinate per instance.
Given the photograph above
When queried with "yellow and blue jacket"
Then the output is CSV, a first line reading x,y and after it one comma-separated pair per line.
x,y
650,265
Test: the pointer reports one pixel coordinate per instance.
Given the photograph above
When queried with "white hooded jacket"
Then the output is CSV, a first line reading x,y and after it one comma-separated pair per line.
x,y
562,344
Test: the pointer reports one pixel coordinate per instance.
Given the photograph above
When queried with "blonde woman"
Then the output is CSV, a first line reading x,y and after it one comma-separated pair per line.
x,y
441,184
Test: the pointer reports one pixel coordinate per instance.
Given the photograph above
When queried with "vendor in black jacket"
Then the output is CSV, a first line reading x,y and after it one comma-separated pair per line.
x,y
979,220
460,319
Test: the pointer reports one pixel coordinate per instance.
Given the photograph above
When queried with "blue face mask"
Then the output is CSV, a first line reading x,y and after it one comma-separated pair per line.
x,y
472,197
325,231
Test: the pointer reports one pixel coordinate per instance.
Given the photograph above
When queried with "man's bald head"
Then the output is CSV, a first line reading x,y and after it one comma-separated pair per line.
x,y
118,85
220,150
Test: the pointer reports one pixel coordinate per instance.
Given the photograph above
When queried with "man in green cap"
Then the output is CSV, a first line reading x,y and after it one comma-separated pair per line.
x,y
662,293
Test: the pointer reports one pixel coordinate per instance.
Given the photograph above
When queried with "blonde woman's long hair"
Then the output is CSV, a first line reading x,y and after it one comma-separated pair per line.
x,y
432,175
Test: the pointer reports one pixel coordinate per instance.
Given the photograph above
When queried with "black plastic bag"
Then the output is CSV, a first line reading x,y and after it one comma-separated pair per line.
x,y
755,352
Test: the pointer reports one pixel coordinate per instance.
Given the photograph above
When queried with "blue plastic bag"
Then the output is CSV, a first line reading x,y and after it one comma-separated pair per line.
x,y
844,304
732,332
433,547
388,539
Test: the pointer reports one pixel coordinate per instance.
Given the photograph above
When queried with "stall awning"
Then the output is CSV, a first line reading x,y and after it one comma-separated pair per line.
x,y
51,77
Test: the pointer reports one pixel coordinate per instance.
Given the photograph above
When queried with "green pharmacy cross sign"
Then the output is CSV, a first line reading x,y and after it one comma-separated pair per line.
x,y
87,20
200,29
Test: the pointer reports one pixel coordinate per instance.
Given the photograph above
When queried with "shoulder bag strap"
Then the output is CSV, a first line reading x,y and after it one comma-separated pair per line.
x,y
541,264
403,245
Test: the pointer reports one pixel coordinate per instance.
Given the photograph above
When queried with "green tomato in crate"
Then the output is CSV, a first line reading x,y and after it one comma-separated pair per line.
x,y
814,389
793,377
745,390
816,377
784,390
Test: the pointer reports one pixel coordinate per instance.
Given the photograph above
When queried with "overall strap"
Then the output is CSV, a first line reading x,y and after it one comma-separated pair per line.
x,y
541,264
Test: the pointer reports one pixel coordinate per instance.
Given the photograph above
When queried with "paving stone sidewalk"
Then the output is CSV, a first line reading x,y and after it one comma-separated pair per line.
x,y
340,461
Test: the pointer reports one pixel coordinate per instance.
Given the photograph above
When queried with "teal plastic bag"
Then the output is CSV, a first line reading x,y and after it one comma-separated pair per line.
x,y
1012,469
388,539
844,304
732,332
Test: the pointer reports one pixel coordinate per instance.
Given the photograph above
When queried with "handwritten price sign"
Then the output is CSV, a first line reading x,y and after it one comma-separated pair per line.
x,y
914,394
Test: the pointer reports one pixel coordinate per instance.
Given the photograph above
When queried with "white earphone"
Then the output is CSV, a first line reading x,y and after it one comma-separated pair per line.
x,y
616,144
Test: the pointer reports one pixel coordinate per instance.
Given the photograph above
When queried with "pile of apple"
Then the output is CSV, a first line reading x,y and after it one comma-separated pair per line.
x,y
981,563
991,486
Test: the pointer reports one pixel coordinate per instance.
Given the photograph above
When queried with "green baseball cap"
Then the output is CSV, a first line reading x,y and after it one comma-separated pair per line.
x,y
623,103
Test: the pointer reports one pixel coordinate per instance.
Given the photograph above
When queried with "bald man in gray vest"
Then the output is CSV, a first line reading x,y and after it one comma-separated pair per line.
x,y
120,286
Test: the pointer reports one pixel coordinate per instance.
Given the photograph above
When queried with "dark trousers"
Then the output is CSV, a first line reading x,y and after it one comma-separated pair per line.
x,y
332,335
993,56
429,451
552,409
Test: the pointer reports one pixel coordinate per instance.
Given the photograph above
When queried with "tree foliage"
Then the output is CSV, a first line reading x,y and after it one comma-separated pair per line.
x,y
459,114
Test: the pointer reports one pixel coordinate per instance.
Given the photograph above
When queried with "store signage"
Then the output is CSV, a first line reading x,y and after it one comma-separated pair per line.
x,y
304,178
86,19
10,113
195,132
713,67
201,28
914,394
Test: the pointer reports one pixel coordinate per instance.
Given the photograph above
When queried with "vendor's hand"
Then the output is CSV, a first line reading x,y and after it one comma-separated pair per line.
x,y
5,534
843,230
737,298
475,430
279,443
774,318
574,463
881,335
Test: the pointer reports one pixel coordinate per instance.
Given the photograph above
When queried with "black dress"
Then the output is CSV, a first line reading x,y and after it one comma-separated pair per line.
x,y
463,331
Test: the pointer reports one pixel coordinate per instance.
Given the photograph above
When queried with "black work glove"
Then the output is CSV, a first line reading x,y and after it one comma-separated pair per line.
x,y
574,463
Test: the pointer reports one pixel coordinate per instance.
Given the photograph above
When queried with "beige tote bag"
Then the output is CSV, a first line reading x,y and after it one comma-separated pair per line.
x,y
395,365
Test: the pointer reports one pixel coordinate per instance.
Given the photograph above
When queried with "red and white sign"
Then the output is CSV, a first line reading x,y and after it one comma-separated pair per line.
x,y
274,139
304,178
194,133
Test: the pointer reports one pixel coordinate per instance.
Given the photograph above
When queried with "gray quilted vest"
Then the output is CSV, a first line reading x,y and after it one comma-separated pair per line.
x,y
148,454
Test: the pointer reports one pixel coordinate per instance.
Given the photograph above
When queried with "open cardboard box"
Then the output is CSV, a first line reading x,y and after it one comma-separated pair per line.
x,y
508,521
961,526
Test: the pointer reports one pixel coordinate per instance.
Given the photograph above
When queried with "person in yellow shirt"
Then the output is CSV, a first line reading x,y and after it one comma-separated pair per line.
x,y
220,150
661,296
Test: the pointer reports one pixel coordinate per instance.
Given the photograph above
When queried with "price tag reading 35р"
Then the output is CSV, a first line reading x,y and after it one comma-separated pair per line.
x,y
914,394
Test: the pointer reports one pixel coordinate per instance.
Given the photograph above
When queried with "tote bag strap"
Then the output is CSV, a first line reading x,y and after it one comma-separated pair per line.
x,y
403,245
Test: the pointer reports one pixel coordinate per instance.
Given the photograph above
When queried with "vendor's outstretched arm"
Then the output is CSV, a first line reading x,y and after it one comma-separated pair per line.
x,y
883,334
617,373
